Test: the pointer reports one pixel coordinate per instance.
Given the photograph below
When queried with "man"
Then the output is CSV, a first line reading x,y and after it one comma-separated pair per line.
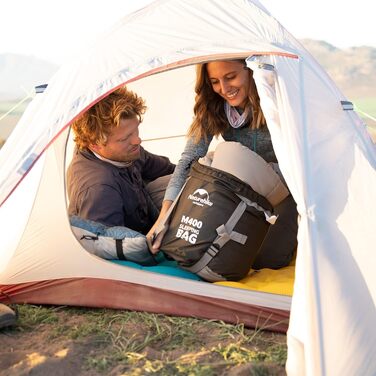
x,y
109,172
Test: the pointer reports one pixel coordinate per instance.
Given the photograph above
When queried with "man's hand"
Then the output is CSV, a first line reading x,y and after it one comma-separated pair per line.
x,y
154,240
155,236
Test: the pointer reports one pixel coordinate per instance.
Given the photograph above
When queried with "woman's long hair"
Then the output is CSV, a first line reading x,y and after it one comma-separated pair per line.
x,y
210,117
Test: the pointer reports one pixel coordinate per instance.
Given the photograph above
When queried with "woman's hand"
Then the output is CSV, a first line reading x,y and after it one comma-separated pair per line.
x,y
155,236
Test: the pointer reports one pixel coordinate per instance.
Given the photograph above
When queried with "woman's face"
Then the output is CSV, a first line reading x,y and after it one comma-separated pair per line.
x,y
230,79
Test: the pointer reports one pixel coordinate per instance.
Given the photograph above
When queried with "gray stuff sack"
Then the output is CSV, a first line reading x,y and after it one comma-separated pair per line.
x,y
112,243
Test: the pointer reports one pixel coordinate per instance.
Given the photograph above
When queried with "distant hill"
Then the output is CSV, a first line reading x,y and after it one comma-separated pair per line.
x,y
353,69
20,71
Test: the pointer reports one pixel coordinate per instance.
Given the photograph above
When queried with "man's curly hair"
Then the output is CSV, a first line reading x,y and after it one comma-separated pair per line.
x,y
94,126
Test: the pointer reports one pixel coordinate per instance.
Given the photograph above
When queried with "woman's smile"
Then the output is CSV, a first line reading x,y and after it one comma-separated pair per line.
x,y
230,80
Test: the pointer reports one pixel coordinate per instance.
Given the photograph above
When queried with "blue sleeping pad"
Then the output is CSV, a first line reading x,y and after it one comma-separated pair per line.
x,y
164,266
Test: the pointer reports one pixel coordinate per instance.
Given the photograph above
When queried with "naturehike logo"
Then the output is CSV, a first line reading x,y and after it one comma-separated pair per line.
x,y
200,197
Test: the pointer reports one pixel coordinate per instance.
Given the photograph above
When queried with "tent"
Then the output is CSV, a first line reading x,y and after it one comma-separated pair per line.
x,y
324,151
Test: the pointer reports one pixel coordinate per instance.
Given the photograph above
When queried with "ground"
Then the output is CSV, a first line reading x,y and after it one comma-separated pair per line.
x,y
77,341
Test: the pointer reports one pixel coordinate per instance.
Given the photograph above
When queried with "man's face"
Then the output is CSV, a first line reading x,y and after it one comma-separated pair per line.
x,y
123,143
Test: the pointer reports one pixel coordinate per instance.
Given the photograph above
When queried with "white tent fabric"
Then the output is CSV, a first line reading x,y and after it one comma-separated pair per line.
x,y
324,152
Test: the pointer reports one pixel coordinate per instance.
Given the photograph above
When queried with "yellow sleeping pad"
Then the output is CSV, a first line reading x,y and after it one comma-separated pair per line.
x,y
279,281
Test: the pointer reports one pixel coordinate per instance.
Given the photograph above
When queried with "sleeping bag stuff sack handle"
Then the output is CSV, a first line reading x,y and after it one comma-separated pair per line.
x,y
217,225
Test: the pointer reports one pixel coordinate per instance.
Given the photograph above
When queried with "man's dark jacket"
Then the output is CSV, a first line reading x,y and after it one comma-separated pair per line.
x,y
114,196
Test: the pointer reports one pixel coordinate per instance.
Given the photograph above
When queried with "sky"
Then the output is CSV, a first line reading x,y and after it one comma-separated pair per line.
x,y
54,30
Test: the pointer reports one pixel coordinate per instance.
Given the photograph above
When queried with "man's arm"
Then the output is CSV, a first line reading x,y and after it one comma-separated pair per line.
x,y
155,166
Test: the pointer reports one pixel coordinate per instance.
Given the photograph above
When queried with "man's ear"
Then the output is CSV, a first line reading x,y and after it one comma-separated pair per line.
x,y
94,147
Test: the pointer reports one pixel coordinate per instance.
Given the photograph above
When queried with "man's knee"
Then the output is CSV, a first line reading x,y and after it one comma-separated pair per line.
x,y
157,189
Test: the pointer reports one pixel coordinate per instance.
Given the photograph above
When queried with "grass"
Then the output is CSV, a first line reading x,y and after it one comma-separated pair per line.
x,y
367,105
138,343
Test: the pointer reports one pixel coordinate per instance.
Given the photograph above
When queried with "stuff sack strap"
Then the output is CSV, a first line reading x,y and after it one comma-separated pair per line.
x,y
225,233
204,260
119,249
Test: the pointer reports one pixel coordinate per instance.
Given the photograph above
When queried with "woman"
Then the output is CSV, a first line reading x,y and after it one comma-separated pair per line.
x,y
226,104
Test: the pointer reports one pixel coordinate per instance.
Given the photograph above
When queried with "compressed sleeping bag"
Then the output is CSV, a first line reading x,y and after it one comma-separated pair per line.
x,y
217,225
219,222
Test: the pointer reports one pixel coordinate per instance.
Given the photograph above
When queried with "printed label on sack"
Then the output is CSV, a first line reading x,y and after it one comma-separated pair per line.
x,y
200,197
189,229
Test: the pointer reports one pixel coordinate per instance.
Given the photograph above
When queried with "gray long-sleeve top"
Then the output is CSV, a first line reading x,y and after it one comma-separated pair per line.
x,y
258,140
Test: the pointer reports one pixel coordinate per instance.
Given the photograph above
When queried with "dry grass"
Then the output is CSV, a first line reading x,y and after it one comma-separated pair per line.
x,y
114,342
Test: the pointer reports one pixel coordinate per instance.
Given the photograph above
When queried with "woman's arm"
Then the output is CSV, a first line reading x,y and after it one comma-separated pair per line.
x,y
192,152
